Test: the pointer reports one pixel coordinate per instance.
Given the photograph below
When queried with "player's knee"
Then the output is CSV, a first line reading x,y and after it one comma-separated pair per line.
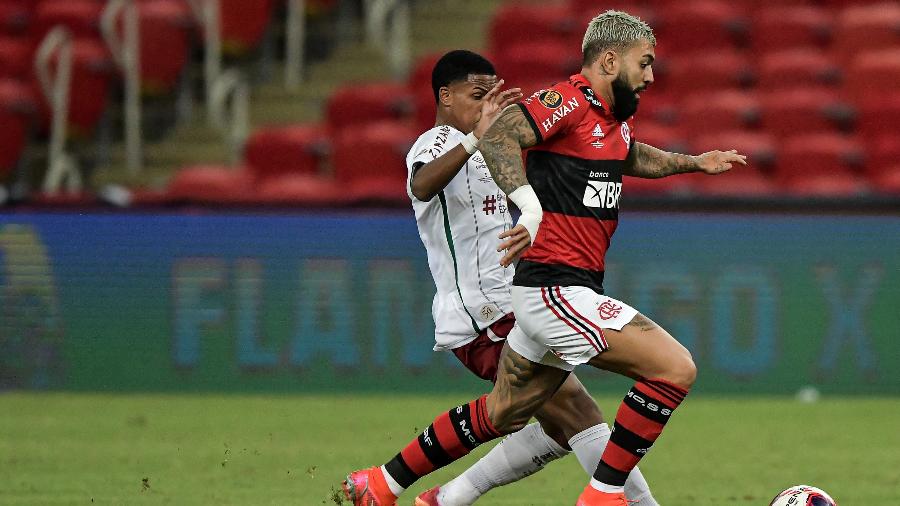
x,y
684,371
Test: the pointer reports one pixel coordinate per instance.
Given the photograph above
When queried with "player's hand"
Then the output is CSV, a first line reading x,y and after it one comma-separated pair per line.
x,y
493,103
517,241
716,162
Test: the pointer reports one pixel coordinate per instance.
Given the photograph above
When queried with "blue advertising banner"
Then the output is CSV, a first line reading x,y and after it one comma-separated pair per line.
x,y
341,301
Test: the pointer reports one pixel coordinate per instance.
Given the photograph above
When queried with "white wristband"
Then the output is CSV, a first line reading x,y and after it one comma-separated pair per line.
x,y
532,213
470,143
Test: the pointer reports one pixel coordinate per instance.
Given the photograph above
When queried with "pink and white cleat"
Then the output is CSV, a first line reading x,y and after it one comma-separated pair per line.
x,y
428,498
367,487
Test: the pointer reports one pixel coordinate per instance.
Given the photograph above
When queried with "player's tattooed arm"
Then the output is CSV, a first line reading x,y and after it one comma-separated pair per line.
x,y
649,162
502,146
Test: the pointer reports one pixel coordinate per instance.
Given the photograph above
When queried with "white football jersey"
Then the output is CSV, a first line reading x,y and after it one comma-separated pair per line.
x,y
459,228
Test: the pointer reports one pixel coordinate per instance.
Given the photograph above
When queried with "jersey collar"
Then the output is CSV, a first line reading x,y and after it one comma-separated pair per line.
x,y
581,82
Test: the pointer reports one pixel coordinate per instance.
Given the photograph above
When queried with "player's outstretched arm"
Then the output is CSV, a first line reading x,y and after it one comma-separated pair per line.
x,y
501,147
431,178
649,162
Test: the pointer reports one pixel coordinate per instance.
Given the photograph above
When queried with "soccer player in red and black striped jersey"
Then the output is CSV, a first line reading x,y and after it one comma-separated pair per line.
x,y
583,138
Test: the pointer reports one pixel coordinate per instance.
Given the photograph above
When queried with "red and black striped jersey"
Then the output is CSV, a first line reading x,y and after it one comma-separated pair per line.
x,y
576,172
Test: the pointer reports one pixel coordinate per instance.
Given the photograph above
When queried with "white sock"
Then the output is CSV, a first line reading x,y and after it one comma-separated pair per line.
x,y
392,483
603,487
588,446
520,454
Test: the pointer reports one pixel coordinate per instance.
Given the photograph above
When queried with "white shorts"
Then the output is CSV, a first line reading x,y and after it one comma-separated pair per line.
x,y
562,326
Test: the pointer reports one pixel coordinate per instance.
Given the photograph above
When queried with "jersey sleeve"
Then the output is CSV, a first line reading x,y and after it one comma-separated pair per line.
x,y
555,110
429,146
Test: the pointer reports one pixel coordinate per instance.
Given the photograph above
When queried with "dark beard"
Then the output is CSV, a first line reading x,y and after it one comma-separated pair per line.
x,y
625,100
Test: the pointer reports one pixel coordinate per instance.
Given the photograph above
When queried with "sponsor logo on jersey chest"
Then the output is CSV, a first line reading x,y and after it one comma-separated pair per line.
x,y
559,114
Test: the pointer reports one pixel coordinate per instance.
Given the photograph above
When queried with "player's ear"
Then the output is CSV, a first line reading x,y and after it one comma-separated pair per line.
x,y
444,96
609,62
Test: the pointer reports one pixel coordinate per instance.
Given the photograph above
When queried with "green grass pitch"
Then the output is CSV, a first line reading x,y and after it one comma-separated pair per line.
x,y
86,449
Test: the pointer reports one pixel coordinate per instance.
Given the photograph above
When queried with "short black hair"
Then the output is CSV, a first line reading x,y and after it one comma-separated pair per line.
x,y
456,66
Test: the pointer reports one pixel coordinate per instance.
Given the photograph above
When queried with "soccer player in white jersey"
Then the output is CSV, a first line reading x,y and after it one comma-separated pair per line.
x,y
460,212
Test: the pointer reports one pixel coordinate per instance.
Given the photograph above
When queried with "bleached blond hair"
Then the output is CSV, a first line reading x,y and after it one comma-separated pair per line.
x,y
614,30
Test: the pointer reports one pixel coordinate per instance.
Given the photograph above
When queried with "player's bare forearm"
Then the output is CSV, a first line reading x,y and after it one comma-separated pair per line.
x,y
648,162
502,146
431,178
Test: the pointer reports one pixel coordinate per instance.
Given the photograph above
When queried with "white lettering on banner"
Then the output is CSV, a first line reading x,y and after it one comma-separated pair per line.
x,y
560,113
602,194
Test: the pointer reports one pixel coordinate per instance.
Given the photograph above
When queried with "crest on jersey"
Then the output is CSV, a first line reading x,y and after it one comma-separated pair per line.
x,y
551,99
626,133
608,310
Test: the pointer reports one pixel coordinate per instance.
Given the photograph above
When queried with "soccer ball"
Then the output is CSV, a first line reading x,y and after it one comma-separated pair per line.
x,y
803,495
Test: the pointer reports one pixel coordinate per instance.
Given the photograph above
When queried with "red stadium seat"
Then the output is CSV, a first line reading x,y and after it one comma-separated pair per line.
x,y
796,110
425,108
813,156
710,70
759,147
16,57
15,15
212,184
244,24
878,113
782,27
659,106
867,27
292,149
420,76
799,67
874,72
593,7
537,22
886,180
378,192
740,181
80,17
584,11
713,112
371,160
836,185
302,189
660,187
165,43
17,104
661,136
882,151
723,25
359,104
92,77
552,61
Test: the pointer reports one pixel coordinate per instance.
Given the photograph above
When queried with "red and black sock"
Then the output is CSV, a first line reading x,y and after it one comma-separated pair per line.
x,y
452,435
639,421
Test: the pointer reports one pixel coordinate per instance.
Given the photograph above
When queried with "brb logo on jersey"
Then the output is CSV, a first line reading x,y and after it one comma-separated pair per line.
x,y
603,194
